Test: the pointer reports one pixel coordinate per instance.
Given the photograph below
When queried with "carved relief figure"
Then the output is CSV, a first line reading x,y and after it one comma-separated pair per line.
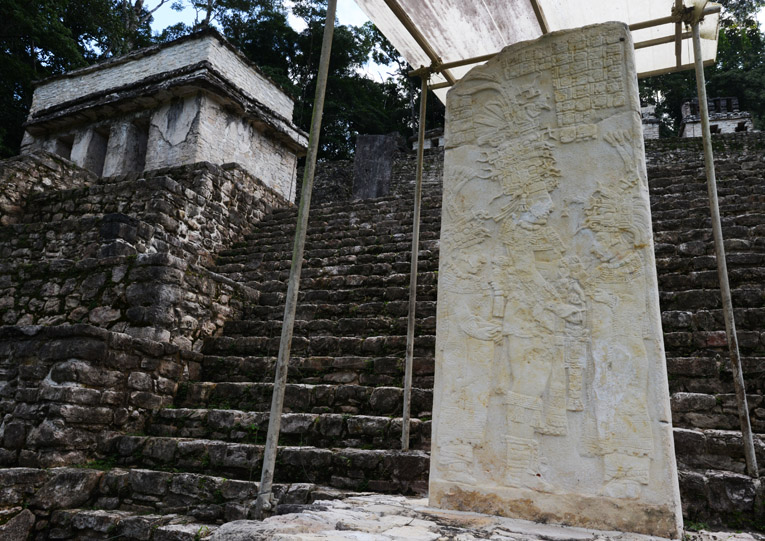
x,y
620,429
468,333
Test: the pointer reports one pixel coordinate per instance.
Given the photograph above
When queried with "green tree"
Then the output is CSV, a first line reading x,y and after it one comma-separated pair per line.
x,y
739,71
354,103
40,38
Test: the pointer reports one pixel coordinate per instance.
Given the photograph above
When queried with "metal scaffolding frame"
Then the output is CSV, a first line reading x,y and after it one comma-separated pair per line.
x,y
680,15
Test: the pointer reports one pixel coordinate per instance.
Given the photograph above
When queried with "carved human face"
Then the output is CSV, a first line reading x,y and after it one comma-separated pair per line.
x,y
540,207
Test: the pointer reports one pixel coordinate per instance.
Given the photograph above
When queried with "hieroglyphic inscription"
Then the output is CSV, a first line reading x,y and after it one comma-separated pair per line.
x,y
549,356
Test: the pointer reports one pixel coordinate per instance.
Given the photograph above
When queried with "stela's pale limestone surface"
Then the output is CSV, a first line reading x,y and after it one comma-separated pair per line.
x,y
551,400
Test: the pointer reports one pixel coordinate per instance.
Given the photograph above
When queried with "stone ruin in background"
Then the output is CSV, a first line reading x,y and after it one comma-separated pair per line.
x,y
196,99
550,399
724,117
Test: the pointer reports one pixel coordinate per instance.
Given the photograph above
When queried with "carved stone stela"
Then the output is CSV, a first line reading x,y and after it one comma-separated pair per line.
x,y
551,399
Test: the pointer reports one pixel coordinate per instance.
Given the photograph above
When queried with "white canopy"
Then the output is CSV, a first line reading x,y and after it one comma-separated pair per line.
x,y
434,32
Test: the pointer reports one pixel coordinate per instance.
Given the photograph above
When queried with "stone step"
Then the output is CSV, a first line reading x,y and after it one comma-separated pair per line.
x,y
93,524
749,319
744,296
319,345
404,472
322,430
340,226
359,326
365,371
325,253
117,495
311,310
696,342
254,273
336,294
715,450
735,226
381,205
305,398
712,374
349,242
715,411
708,279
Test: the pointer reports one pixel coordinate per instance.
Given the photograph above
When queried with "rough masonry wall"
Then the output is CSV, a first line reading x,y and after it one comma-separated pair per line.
x,y
36,173
66,390
225,136
240,71
334,180
129,253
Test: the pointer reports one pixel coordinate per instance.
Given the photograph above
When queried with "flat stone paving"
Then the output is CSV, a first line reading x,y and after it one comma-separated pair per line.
x,y
386,517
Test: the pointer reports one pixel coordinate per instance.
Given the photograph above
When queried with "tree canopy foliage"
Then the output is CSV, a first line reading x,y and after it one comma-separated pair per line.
x,y
40,38
739,71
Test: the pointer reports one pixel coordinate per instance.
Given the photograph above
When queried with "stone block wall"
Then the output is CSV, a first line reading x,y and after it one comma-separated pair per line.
x,y
157,60
35,173
153,296
129,253
334,180
227,137
67,388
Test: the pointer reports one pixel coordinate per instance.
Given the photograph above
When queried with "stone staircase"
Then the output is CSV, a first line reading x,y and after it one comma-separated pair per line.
x,y
197,463
342,421
707,429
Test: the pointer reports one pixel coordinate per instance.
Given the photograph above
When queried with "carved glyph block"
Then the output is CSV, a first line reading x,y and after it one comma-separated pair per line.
x,y
551,400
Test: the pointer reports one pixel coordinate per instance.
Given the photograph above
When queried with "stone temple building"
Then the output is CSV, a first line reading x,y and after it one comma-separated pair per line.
x,y
194,99
724,117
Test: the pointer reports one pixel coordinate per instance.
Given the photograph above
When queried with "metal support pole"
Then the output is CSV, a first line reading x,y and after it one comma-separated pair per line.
x,y
722,268
265,501
413,269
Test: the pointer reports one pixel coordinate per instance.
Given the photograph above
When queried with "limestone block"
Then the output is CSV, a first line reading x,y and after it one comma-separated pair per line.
x,y
173,133
373,165
551,400
126,149
89,149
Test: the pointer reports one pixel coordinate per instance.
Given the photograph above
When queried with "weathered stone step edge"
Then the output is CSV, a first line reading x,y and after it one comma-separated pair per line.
x,y
395,221
343,326
93,524
279,270
352,281
712,449
716,411
305,398
159,496
745,296
327,248
373,308
350,298
341,235
712,320
357,210
324,250
347,469
331,257
297,429
363,371
319,345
